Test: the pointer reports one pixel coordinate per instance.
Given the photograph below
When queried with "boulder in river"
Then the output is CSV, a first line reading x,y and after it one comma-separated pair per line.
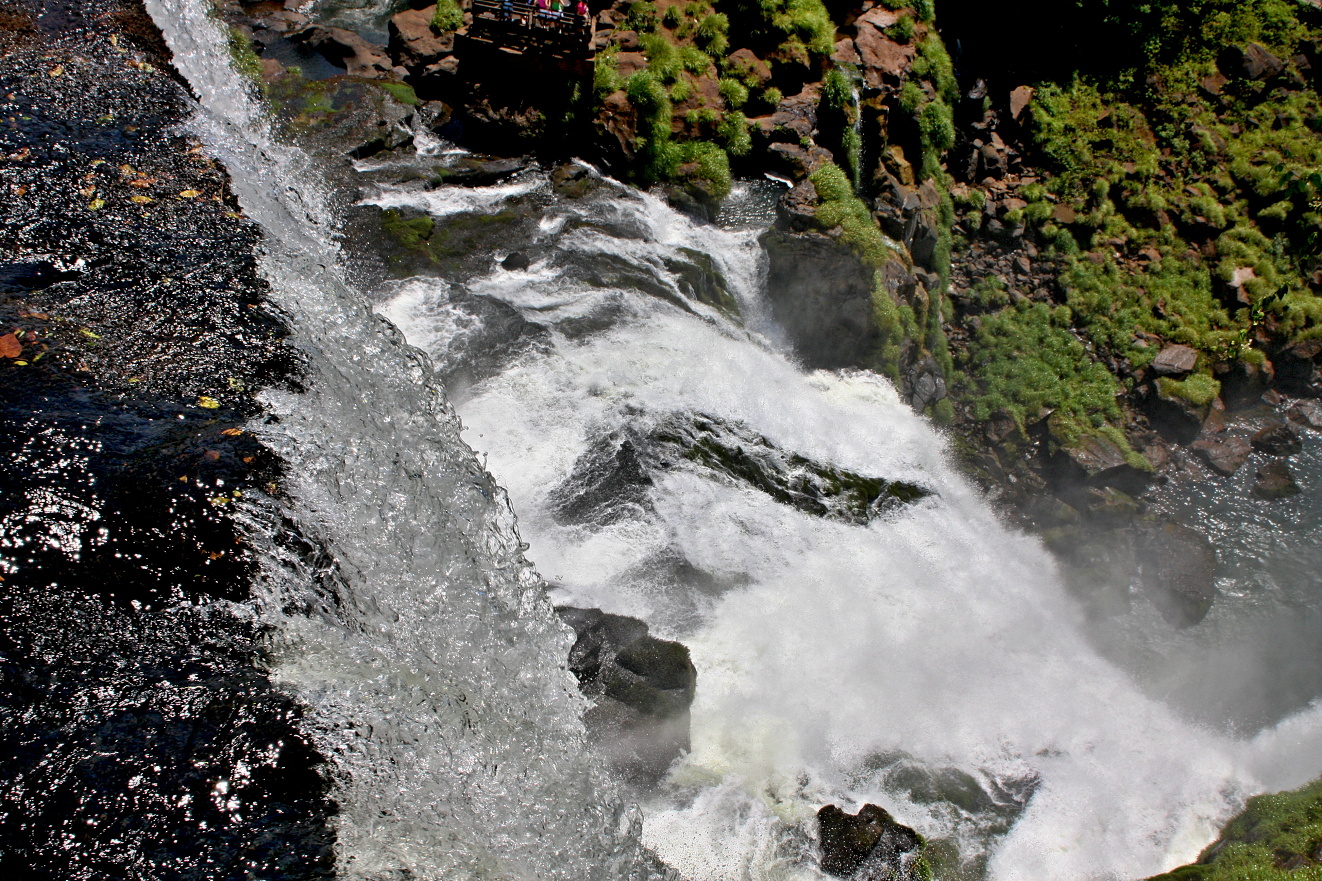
x,y
1277,440
1223,453
866,845
1274,481
642,687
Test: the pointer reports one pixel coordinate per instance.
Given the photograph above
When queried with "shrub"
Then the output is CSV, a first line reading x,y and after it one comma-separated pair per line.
x,y
640,17
447,17
840,207
734,93
606,73
672,17
1199,389
734,134
712,34
712,165
902,30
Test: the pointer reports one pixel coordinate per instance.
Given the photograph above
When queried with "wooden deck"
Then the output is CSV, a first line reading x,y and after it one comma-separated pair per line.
x,y
522,28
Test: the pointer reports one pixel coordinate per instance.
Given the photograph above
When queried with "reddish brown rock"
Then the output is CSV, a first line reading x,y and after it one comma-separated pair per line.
x,y
846,52
1174,360
1224,454
1307,414
884,61
413,43
348,50
1019,99
750,66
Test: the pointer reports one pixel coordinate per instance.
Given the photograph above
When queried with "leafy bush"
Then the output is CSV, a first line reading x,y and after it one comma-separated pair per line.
x,y
447,17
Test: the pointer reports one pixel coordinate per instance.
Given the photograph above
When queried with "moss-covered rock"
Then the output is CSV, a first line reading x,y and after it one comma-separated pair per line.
x,y
1278,837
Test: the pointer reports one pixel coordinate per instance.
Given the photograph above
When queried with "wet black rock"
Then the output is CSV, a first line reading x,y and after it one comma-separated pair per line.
x,y
1274,481
612,479
1277,440
642,688
516,261
137,728
865,846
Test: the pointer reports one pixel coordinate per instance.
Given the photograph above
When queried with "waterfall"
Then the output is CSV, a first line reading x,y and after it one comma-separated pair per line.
x,y
431,662
891,662
925,659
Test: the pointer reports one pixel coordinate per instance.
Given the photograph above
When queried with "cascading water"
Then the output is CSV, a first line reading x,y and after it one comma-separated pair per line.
x,y
431,662
921,656
927,660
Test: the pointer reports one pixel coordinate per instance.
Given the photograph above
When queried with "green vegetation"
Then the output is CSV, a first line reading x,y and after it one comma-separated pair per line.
x,y
1028,364
448,16
242,56
840,207
1276,838
794,28
403,93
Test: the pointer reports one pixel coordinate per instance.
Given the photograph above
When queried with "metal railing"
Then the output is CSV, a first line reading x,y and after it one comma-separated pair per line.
x,y
526,28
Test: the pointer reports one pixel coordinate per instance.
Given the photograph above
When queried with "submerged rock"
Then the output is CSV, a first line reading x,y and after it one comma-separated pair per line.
x,y
1178,571
1274,481
1277,440
870,843
642,687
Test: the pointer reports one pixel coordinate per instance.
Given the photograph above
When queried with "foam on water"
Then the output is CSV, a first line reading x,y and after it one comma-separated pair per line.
x,y
825,650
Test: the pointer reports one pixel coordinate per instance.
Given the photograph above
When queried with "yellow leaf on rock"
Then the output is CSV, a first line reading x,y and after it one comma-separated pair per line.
x,y
141,200
207,402
232,432
190,194
96,203
57,70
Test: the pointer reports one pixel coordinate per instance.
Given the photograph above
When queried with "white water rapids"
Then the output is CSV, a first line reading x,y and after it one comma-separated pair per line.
x,y
833,659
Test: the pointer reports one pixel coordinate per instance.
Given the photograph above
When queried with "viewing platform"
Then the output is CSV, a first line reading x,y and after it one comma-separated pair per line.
x,y
523,29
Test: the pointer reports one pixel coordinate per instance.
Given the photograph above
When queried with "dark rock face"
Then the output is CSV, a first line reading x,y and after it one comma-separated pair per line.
x,y
612,479
642,687
822,295
870,843
1178,571
516,262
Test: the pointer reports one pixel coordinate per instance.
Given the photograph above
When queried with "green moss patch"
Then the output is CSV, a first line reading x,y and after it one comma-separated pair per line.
x,y
1277,838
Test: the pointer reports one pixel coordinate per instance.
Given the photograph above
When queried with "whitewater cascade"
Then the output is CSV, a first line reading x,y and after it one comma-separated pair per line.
x,y
926,660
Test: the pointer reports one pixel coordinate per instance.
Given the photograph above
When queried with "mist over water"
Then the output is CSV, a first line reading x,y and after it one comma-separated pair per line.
x,y
927,660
